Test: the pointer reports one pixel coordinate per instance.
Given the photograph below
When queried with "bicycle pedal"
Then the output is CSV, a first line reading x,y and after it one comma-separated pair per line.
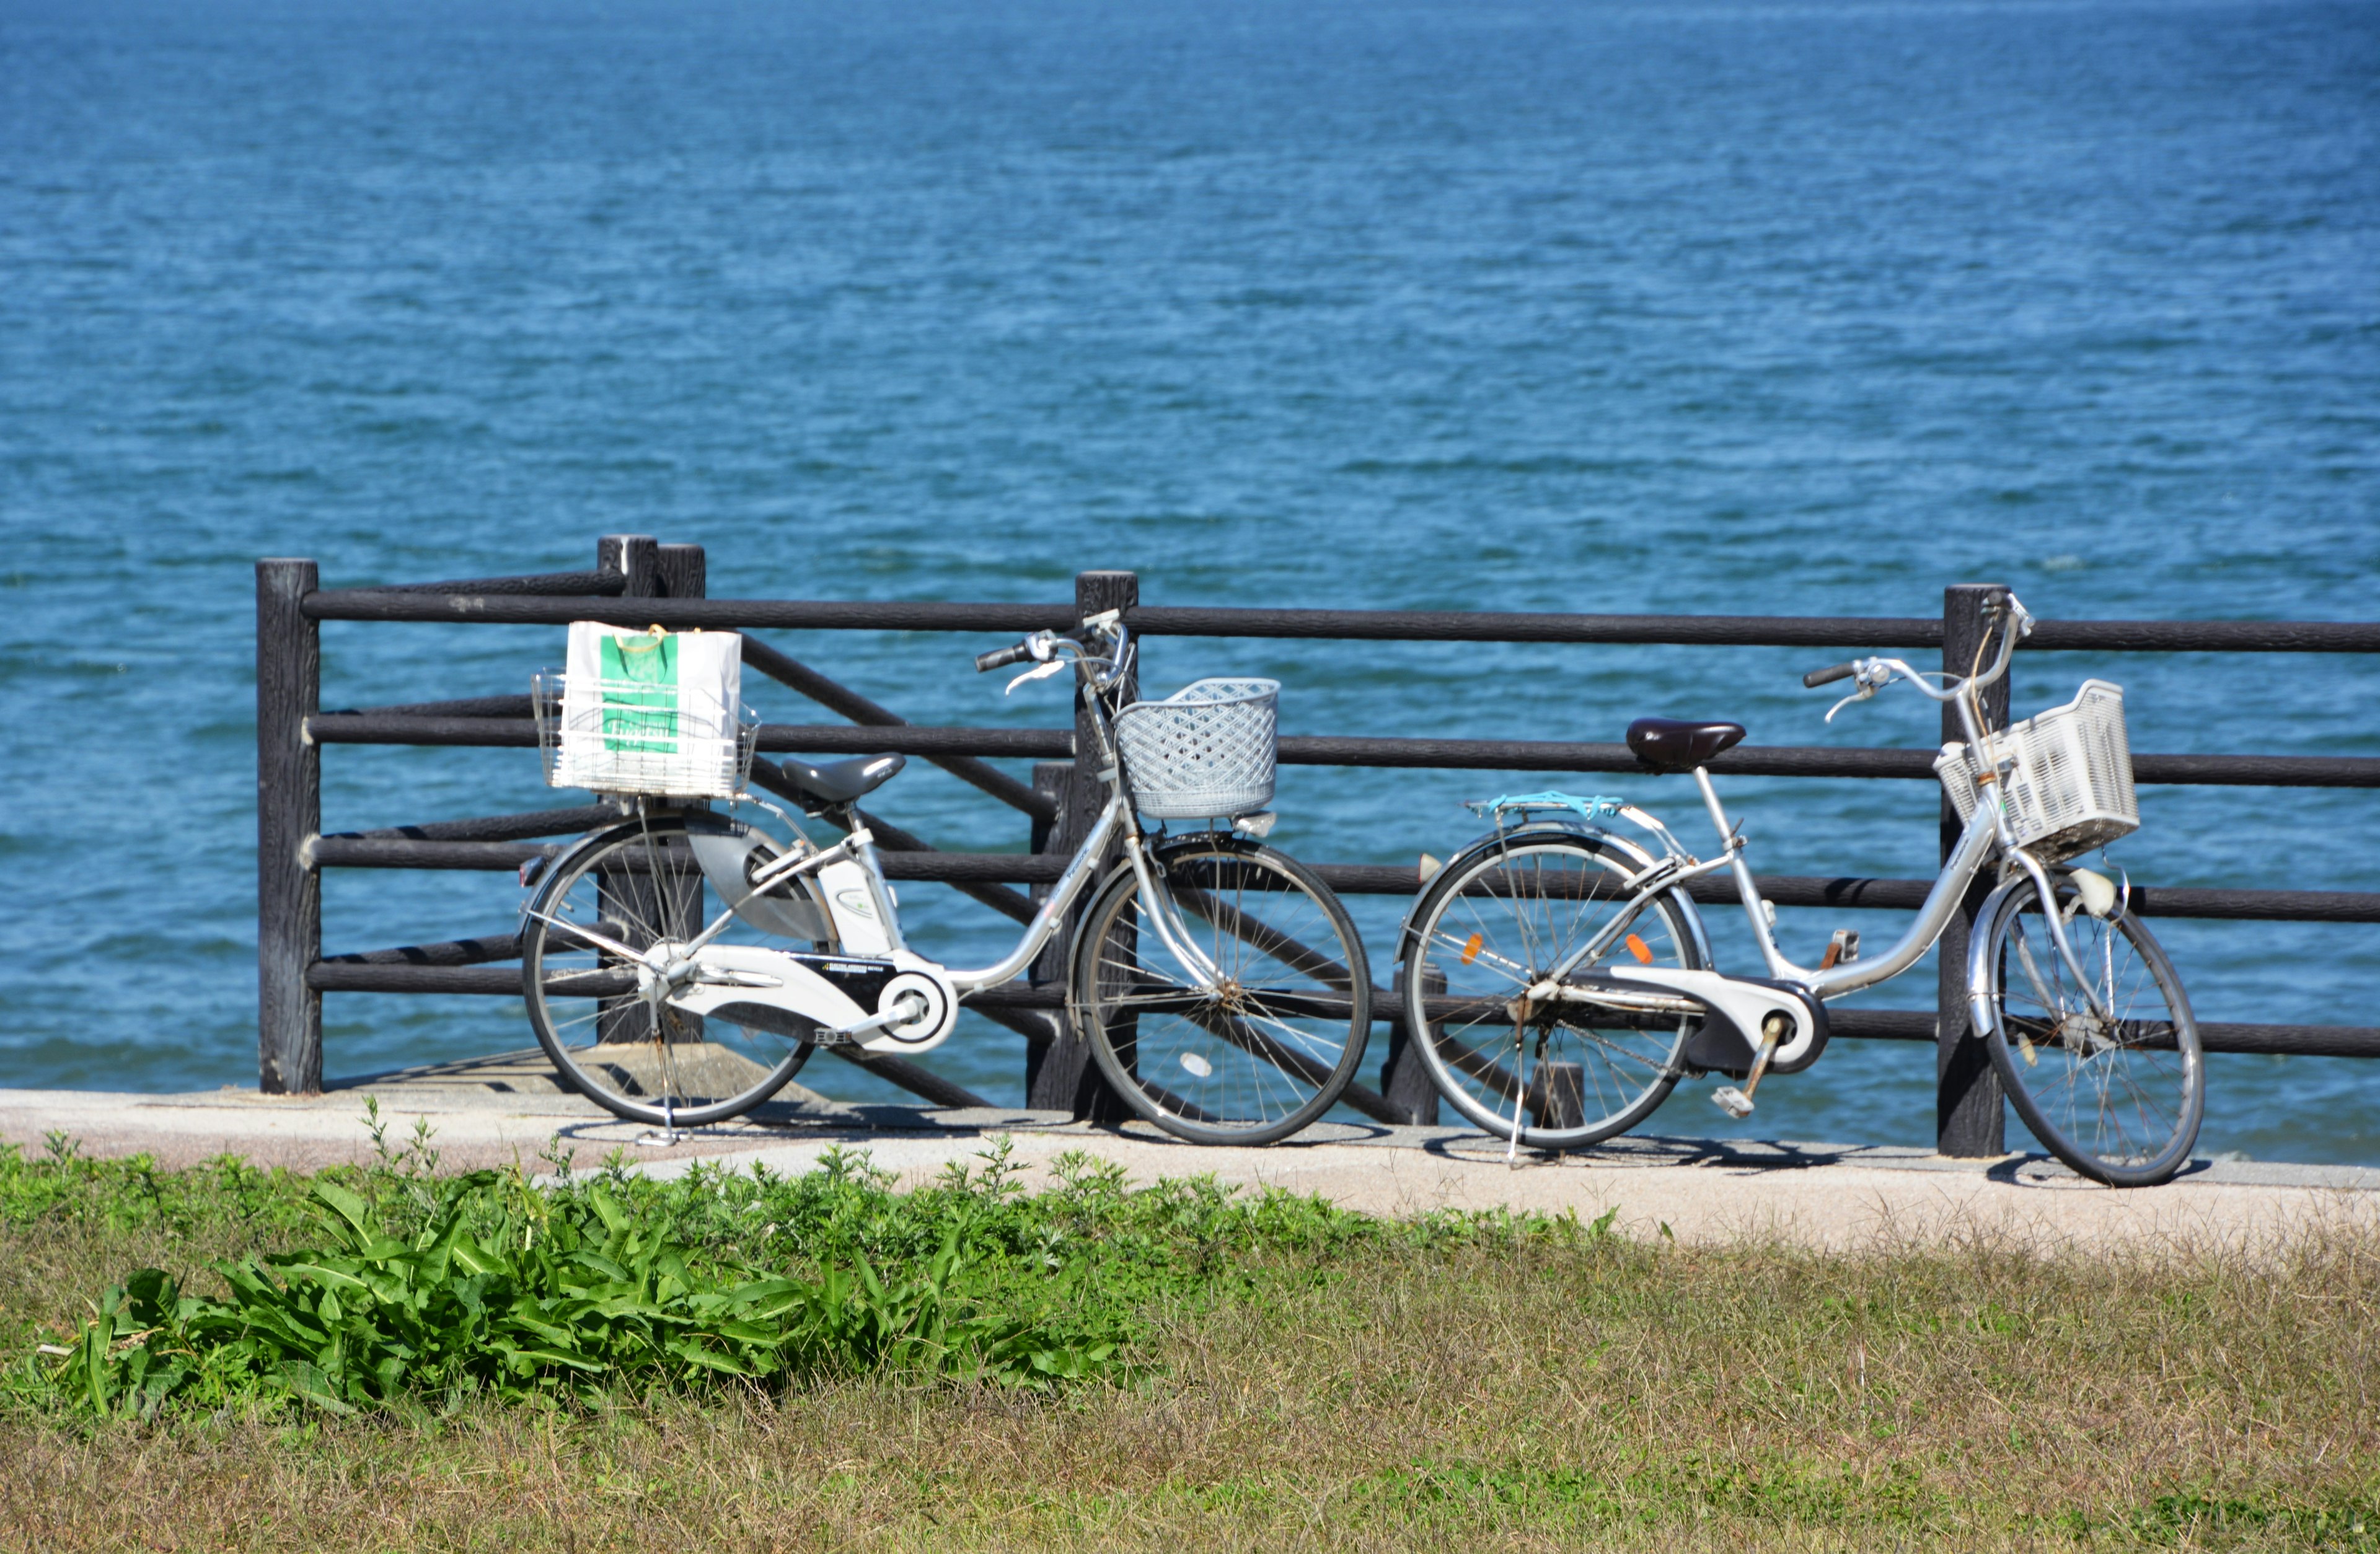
x,y
1733,1101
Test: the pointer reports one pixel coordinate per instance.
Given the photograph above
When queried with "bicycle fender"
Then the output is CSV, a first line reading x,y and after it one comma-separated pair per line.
x,y
1980,1014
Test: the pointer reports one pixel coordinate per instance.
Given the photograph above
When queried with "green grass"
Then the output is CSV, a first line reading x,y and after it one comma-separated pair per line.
x,y
1249,1372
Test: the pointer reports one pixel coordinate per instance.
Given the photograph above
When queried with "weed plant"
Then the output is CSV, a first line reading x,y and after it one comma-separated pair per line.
x,y
1281,1374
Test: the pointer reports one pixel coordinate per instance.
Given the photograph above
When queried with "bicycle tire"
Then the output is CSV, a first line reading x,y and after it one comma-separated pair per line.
x,y
1500,919
2053,1055
643,1062
1270,1050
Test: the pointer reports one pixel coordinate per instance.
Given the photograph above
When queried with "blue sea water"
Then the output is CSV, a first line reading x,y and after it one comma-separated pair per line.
x,y
1754,307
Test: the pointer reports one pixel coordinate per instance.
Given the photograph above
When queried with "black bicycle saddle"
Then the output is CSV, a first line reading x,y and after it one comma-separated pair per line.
x,y
1676,744
840,782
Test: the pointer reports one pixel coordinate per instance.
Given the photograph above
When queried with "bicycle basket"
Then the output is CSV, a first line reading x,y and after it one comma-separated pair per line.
x,y
2071,788
620,736
1204,752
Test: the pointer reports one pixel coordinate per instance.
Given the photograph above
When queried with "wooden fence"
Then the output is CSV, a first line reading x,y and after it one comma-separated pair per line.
x,y
638,582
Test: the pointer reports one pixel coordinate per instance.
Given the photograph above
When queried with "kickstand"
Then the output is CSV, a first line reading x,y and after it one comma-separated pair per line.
x,y
667,1135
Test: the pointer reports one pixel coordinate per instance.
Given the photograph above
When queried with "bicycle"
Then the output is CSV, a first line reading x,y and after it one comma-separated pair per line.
x,y
1221,986
1565,984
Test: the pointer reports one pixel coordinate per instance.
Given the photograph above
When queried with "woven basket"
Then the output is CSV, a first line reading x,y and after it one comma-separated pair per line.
x,y
1205,752
2070,789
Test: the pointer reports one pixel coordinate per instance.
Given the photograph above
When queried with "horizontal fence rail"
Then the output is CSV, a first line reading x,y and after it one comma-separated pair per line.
x,y
1402,625
638,582
392,726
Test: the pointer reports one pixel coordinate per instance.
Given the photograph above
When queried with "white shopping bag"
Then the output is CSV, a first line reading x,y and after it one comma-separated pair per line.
x,y
650,711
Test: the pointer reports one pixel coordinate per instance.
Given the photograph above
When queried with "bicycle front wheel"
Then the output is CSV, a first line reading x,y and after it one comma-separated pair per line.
x,y
1252,1049
1561,1075
2116,1092
639,884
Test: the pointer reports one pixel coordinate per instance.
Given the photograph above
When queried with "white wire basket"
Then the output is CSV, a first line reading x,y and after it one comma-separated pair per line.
x,y
627,736
2070,789
1205,752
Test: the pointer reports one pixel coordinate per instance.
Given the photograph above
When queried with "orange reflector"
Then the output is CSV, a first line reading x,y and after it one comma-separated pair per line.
x,y
1471,947
1636,948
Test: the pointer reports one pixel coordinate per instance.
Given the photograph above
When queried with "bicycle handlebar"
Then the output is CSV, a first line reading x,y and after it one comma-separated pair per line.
x,y
1874,673
1001,657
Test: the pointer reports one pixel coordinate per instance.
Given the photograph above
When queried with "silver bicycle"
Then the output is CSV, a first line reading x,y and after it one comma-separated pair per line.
x,y
1562,976
681,966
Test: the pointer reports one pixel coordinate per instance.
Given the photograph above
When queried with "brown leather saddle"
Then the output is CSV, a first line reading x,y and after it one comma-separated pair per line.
x,y
1678,744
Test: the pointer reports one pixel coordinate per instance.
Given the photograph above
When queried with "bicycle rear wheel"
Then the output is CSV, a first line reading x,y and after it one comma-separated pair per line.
x,y
1266,1049
1492,926
2117,1096
640,883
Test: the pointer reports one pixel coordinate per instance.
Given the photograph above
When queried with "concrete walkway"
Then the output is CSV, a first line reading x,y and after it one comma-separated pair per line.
x,y
503,1109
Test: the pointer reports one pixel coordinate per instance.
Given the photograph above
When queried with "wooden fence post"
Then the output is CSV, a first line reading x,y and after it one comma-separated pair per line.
x,y
1061,1076
1405,1075
636,558
680,572
288,818
1968,1116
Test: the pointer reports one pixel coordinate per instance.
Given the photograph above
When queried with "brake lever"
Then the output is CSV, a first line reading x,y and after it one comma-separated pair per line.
x,y
1872,678
1039,671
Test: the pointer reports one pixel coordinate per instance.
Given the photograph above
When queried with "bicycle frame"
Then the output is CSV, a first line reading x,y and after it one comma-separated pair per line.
x,y
1987,832
665,968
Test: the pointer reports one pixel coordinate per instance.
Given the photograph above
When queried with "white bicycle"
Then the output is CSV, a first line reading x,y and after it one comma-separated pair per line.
x,y
1561,972
1221,986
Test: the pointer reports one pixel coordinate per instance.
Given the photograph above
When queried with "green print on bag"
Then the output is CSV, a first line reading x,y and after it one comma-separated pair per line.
x,y
641,693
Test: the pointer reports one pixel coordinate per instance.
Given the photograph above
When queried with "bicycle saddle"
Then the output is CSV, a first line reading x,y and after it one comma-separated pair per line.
x,y
840,782
1676,745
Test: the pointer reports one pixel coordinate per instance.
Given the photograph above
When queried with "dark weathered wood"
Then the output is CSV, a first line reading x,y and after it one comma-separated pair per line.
x,y
2206,637
950,746
1969,1118
799,676
1489,626
636,559
362,852
1816,632
1055,1071
289,813
491,981
2302,1041
574,584
686,615
498,828
374,973
460,707
681,572
1405,1084
454,952
1062,1076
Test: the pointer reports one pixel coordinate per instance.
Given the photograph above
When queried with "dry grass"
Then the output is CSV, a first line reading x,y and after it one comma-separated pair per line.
x,y
1506,1392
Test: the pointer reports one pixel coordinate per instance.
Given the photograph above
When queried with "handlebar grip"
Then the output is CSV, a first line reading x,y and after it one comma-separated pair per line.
x,y
1829,674
1001,657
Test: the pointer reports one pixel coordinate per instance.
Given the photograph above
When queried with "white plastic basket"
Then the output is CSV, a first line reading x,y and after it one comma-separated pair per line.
x,y
1205,752
617,740
2070,789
